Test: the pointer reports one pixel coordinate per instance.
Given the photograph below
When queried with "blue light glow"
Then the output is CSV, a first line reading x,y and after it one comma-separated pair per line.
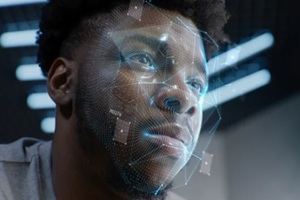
x,y
40,101
236,88
4,3
48,125
18,38
240,53
30,72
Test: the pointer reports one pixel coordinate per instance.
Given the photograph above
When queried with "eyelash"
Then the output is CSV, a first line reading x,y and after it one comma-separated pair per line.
x,y
138,59
200,88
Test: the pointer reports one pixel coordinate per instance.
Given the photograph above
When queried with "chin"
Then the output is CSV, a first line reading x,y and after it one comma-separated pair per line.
x,y
153,175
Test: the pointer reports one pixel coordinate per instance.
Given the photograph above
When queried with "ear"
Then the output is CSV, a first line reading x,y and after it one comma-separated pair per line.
x,y
60,81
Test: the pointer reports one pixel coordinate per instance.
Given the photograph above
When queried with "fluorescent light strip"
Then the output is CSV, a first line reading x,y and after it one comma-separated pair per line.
x,y
236,88
48,125
240,53
40,101
30,72
4,3
18,38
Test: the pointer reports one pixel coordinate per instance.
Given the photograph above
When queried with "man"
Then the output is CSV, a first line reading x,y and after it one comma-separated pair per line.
x,y
128,79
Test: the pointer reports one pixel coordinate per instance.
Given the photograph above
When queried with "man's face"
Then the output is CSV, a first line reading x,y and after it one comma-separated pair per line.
x,y
140,87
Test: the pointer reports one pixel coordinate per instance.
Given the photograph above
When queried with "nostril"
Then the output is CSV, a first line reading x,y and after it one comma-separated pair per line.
x,y
191,111
172,104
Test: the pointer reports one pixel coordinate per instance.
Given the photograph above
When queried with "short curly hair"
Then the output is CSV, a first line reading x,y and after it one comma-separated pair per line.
x,y
60,18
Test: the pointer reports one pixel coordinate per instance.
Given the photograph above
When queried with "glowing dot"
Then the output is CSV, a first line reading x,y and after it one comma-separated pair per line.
x,y
135,7
206,163
121,130
164,37
170,144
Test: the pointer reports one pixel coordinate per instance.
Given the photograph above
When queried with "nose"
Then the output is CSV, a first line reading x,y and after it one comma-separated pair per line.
x,y
172,104
176,99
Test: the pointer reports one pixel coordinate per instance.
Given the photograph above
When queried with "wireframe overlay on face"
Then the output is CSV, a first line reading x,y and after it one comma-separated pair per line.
x,y
147,82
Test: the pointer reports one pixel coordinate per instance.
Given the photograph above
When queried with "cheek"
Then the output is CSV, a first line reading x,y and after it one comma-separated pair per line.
x,y
130,87
196,124
125,86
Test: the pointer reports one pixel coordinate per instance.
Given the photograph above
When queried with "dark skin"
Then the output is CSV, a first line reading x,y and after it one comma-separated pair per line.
x,y
80,174
73,176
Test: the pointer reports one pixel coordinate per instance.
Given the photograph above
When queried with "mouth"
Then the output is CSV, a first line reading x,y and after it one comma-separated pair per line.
x,y
170,139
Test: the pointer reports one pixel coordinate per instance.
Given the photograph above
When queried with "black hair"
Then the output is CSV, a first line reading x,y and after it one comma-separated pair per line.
x,y
60,18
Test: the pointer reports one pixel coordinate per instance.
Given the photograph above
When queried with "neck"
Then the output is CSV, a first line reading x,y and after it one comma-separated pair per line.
x,y
82,172
73,172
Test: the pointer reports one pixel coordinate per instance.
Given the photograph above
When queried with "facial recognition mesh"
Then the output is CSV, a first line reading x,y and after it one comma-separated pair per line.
x,y
121,131
135,9
153,90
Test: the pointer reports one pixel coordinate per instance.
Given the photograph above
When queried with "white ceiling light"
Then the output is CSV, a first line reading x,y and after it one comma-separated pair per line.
x,y
30,72
40,101
236,88
4,3
240,53
18,38
48,125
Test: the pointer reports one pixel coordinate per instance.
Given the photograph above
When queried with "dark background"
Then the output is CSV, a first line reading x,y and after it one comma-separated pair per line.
x,y
248,18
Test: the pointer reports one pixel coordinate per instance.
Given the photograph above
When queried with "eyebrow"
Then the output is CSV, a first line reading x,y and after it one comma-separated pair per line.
x,y
153,42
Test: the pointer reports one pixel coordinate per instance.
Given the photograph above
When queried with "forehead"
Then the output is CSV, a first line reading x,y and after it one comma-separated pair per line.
x,y
155,27
154,23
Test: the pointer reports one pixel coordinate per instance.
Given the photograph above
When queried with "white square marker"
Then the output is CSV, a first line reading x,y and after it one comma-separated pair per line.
x,y
135,9
121,131
206,163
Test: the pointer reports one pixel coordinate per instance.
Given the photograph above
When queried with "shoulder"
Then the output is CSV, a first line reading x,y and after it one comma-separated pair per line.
x,y
21,150
24,166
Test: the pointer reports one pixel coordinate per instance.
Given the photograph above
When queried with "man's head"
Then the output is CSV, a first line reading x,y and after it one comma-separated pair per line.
x,y
129,78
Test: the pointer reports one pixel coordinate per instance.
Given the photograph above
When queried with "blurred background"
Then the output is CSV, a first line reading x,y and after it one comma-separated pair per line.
x,y
256,146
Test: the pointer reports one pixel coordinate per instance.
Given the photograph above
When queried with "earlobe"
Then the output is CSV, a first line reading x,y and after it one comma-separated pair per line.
x,y
60,81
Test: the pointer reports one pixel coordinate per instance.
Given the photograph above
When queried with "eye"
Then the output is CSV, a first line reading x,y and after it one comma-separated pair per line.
x,y
197,85
143,59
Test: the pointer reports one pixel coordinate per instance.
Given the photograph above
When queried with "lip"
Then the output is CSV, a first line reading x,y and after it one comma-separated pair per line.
x,y
170,139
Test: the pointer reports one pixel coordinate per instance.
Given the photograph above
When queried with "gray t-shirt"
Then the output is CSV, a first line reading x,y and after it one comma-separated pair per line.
x,y
25,170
